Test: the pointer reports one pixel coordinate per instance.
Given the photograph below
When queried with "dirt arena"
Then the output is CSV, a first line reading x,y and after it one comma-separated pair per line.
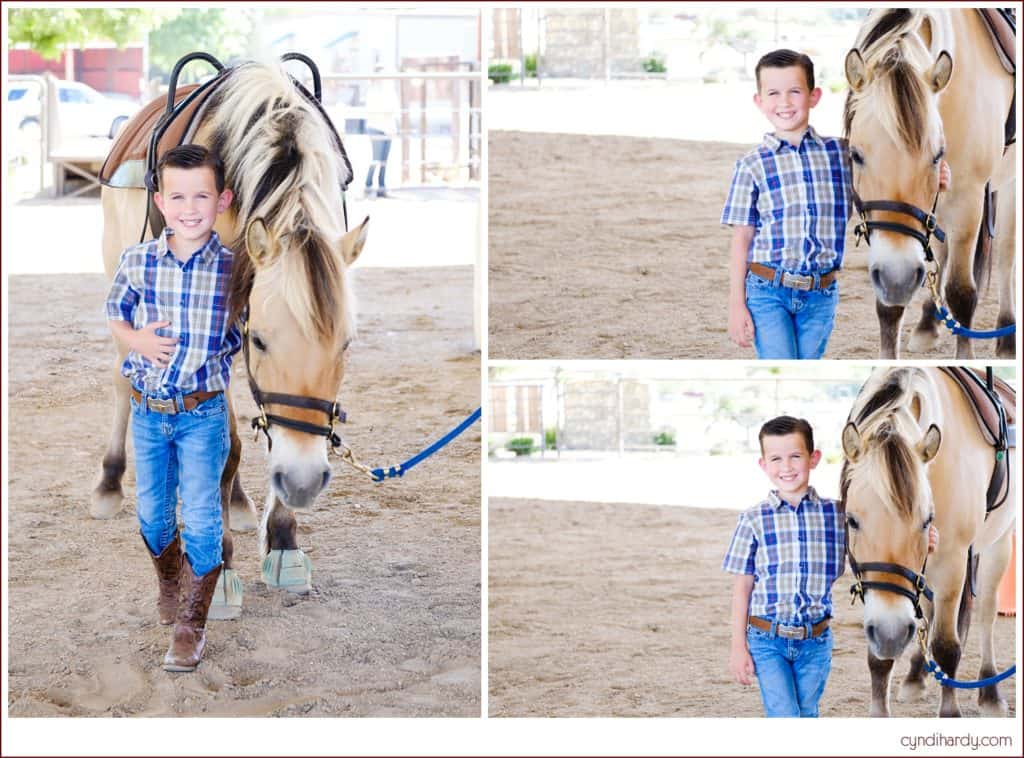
x,y
392,626
623,610
611,247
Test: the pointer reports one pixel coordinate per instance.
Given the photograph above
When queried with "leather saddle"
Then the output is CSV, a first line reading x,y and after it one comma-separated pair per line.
x,y
995,410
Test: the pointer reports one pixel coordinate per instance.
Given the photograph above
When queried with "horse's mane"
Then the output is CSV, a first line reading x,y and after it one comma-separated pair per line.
x,y
284,167
895,58
884,412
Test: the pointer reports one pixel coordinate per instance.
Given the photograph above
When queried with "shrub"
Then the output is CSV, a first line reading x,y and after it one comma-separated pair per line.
x,y
665,438
531,64
520,445
500,73
654,65
550,439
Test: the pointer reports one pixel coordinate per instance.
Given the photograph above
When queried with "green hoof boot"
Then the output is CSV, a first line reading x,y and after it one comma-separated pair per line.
x,y
227,597
288,570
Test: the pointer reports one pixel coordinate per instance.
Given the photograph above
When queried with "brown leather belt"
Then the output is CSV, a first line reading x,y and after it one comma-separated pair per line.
x,y
169,405
796,281
789,632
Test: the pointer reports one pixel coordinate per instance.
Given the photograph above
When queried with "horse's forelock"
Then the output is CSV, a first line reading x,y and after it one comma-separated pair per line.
x,y
284,167
894,462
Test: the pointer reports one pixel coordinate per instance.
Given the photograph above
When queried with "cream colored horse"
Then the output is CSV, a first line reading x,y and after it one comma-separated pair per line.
x,y
915,453
927,84
292,257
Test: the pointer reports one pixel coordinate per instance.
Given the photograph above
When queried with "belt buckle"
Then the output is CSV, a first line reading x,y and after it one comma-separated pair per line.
x,y
797,282
791,632
161,406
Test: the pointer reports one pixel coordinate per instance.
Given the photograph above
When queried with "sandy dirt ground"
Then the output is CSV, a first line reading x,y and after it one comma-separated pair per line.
x,y
611,247
622,610
392,626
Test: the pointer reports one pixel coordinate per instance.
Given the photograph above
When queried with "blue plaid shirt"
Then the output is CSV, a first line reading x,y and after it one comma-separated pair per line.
x,y
152,285
797,199
794,553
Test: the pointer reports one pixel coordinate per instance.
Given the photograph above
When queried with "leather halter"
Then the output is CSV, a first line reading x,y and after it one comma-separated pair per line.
x,y
917,580
927,220
263,422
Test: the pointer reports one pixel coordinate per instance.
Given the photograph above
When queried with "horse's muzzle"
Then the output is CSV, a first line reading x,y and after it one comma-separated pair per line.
x,y
888,641
896,285
298,491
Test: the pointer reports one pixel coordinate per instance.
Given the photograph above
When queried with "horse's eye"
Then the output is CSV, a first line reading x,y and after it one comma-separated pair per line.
x,y
852,522
259,344
939,156
928,521
856,156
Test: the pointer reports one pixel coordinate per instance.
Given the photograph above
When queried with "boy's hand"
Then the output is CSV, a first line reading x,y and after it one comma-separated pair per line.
x,y
741,326
945,176
741,665
151,346
933,539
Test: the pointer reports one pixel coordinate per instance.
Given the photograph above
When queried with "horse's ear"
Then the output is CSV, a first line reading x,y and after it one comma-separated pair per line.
x,y
852,442
942,71
353,241
257,242
929,444
856,71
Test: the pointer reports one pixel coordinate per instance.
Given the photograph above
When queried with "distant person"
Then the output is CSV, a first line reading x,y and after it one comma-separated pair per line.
x,y
786,553
788,205
382,109
168,305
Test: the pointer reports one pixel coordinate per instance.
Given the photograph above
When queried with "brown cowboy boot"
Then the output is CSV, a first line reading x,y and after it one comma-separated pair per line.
x,y
168,569
189,636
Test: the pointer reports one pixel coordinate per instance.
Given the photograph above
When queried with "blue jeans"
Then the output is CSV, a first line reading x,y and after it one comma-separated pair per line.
x,y
790,323
791,673
182,454
381,150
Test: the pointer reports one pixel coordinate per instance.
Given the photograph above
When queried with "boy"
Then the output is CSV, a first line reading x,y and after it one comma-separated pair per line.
x,y
168,306
788,205
786,552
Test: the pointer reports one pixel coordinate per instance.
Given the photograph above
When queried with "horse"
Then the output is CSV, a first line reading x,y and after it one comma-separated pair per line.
x,y
927,85
290,289
915,455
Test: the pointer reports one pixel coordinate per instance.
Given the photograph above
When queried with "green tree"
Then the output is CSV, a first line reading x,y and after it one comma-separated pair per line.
x,y
222,32
49,31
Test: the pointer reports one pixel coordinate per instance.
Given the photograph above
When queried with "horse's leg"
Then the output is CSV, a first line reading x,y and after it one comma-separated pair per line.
x,y
961,291
889,320
284,565
926,334
1005,266
243,512
881,671
108,495
912,689
991,567
950,607
227,595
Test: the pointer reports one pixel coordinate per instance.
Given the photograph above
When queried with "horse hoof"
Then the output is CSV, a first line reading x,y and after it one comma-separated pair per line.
x,y
289,570
996,708
922,342
243,516
911,692
105,504
227,597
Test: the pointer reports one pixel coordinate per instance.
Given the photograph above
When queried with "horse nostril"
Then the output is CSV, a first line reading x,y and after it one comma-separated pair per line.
x,y
919,274
871,633
911,628
327,478
279,482
876,278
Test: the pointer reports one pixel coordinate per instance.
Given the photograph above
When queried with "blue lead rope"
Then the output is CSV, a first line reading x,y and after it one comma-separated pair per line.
x,y
947,681
380,474
943,315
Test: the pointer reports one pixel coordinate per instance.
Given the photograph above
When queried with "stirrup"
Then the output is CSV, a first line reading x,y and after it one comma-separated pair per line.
x,y
290,570
227,597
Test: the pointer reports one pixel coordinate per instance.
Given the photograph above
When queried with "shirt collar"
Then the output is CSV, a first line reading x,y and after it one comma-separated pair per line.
x,y
810,497
207,252
775,144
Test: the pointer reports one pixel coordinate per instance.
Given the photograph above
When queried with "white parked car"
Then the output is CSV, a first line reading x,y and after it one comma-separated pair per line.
x,y
83,111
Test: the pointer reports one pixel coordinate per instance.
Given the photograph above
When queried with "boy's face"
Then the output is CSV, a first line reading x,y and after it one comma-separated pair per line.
x,y
785,100
189,200
787,462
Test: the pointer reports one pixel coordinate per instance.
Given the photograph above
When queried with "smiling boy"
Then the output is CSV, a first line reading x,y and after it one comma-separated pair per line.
x,y
168,305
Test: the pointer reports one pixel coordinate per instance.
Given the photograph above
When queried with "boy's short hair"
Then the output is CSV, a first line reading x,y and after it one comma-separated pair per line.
x,y
192,156
784,59
780,426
